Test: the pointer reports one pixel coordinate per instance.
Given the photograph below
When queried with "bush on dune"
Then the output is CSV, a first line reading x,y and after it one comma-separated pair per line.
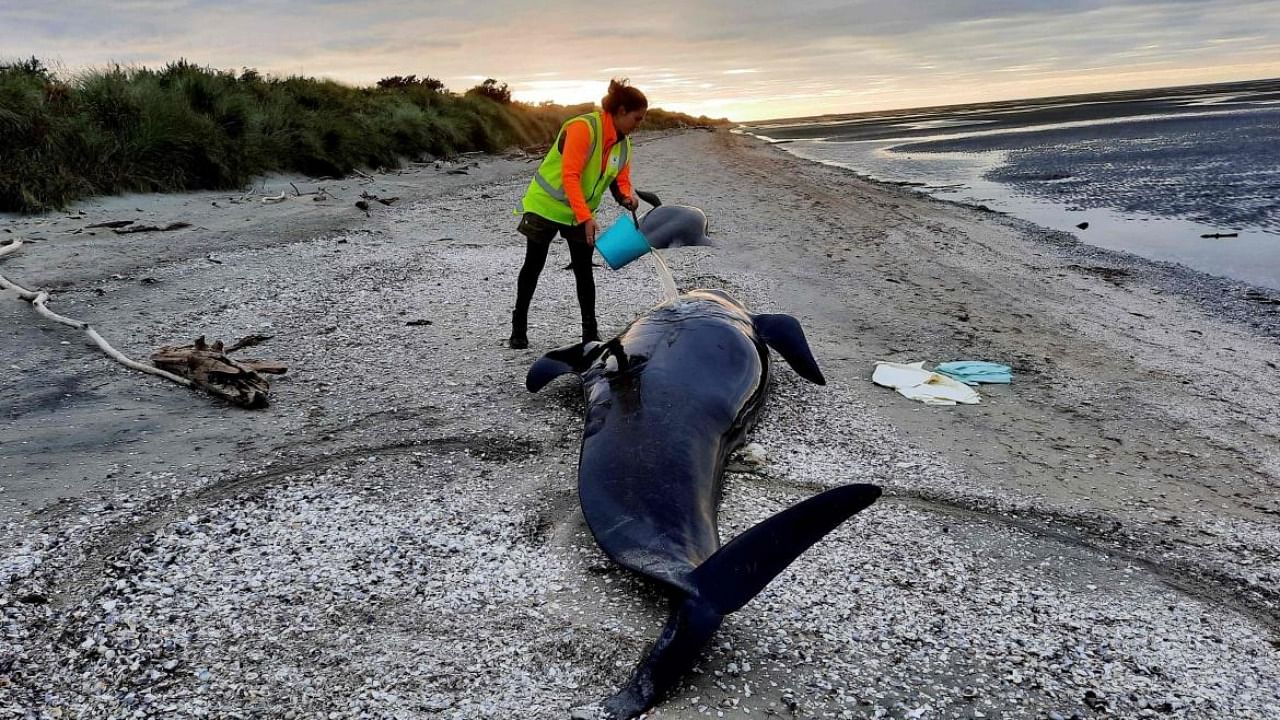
x,y
186,127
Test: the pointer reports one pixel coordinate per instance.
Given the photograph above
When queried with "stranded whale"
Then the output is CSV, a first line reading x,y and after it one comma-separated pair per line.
x,y
669,226
667,402
673,226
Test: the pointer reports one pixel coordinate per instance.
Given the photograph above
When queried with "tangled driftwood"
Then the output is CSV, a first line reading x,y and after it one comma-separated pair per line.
x,y
208,366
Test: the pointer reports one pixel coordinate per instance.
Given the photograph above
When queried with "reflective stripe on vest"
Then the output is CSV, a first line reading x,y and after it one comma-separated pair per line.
x,y
557,193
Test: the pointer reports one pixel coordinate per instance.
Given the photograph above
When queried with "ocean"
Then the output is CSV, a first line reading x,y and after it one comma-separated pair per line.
x,y
1186,175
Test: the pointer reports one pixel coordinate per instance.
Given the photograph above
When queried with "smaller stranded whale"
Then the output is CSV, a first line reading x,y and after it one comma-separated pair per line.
x,y
668,401
673,226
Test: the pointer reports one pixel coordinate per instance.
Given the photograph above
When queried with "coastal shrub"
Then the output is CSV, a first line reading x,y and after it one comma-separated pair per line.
x,y
490,89
407,82
38,140
187,127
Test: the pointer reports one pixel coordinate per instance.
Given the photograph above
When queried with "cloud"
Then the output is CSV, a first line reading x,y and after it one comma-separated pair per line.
x,y
743,57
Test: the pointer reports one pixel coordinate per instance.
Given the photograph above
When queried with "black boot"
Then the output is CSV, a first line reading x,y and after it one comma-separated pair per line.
x,y
589,332
519,339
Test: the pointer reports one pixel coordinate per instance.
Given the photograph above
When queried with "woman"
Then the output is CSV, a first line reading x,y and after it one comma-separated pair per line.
x,y
591,152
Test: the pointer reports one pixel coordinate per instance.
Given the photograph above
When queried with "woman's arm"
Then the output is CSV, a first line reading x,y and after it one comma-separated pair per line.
x,y
577,140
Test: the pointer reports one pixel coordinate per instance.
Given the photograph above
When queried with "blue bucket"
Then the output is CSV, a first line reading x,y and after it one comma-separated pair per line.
x,y
622,243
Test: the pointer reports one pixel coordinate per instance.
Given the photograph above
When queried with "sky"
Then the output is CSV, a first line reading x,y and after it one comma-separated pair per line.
x,y
741,59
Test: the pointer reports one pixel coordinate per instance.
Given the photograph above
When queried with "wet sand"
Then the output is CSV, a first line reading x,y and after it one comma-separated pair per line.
x,y
398,534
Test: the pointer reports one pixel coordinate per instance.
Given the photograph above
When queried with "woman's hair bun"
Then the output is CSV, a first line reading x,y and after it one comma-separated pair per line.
x,y
622,95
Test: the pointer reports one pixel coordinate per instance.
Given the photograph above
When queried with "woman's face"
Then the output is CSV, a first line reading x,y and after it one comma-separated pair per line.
x,y
628,120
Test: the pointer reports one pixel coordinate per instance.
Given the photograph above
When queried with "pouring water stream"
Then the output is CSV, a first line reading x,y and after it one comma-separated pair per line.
x,y
665,281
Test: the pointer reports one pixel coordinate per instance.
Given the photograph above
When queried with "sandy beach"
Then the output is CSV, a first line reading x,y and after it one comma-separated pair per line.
x,y
398,535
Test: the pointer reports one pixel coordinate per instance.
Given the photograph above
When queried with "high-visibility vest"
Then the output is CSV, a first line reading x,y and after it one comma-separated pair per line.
x,y
546,195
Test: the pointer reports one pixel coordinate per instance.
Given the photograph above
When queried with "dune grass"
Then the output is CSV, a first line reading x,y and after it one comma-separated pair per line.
x,y
185,127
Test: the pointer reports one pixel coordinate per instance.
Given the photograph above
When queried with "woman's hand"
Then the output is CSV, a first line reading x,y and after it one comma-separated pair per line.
x,y
630,202
590,227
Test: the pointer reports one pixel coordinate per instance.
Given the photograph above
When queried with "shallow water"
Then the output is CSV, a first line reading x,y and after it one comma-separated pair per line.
x,y
1149,176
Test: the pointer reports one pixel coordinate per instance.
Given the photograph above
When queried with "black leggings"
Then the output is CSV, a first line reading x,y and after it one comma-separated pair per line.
x,y
539,234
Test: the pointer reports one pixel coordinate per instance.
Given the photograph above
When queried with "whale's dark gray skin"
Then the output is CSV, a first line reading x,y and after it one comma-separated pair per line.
x,y
668,401
672,226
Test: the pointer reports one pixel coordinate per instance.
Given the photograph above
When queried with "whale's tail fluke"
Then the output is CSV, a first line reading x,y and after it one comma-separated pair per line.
x,y
724,583
692,622
738,571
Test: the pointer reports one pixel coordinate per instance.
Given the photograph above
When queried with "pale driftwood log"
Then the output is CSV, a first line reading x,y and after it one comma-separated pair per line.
x,y
39,300
196,365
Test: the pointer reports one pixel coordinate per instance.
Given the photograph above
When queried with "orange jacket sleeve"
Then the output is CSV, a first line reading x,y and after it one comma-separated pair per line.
x,y
577,140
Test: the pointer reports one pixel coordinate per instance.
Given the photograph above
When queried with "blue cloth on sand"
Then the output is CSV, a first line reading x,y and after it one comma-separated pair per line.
x,y
972,372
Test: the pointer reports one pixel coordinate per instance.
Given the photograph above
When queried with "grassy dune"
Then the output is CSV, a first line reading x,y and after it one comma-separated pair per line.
x,y
186,127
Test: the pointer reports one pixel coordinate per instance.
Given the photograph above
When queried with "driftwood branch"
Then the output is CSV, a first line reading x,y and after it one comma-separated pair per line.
x,y
384,201
197,365
151,228
248,341
39,300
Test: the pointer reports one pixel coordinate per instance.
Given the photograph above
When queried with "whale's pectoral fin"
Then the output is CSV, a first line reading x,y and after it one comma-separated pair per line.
x,y
784,334
644,195
562,361
649,197
738,571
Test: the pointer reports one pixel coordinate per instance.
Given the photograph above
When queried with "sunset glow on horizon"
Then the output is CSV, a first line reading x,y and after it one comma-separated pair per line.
x,y
721,59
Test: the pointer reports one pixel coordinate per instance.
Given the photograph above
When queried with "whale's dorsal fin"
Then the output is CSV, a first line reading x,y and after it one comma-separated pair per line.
x,y
738,571
784,334
562,361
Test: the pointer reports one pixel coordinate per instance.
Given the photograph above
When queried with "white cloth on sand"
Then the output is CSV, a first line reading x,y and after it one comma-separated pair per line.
x,y
930,388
